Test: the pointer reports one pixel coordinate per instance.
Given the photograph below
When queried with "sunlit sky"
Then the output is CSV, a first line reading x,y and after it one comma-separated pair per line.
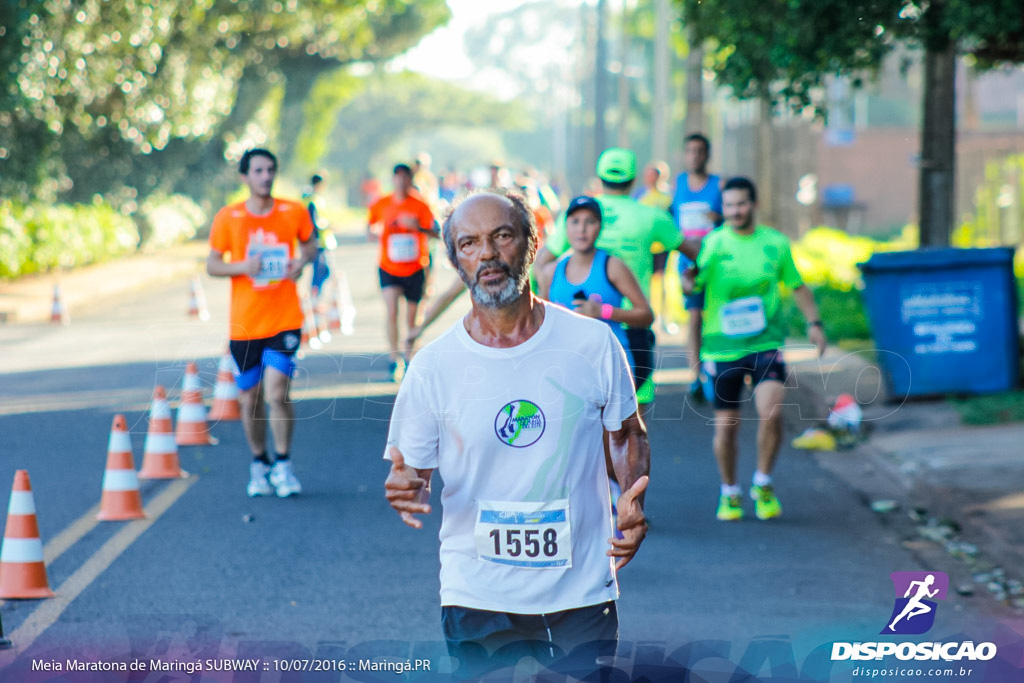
x,y
441,54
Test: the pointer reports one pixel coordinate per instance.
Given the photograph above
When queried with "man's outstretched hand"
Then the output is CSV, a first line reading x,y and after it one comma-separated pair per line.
x,y
406,490
632,523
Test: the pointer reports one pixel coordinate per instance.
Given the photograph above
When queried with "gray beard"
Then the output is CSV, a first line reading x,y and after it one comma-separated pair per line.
x,y
518,279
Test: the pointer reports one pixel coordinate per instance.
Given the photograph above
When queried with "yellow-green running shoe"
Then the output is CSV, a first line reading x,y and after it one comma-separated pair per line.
x,y
766,505
730,508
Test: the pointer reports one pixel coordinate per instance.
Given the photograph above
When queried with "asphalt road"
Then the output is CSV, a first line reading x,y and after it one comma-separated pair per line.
x,y
333,574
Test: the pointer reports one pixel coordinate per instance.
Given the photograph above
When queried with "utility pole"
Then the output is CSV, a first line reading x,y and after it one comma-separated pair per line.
x,y
600,79
623,136
765,161
938,147
659,119
694,121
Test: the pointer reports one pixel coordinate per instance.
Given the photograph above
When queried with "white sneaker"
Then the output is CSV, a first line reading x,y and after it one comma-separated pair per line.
x,y
283,479
258,484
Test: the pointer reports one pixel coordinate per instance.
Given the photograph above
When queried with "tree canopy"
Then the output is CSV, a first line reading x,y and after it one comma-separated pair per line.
x,y
782,50
393,104
124,98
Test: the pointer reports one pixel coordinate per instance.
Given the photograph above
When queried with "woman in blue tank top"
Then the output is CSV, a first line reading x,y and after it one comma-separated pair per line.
x,y
591,281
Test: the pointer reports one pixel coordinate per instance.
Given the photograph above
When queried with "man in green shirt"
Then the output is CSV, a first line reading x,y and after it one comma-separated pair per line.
x,y
629,230
740,269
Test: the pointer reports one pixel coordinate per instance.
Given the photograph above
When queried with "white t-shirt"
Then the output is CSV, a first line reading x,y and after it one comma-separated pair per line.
x,y
516,435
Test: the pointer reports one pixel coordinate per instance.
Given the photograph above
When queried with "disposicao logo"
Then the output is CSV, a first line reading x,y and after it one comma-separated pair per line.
x,y
913,613
519,424
914,610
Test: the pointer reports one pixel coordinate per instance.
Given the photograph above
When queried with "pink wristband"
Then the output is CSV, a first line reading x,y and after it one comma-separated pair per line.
x,y
606,311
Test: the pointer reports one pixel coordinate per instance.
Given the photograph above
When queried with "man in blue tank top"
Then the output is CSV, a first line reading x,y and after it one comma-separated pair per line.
x,y
697,208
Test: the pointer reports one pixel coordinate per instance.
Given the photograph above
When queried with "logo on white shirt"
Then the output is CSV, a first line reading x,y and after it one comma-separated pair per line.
x,y
519,424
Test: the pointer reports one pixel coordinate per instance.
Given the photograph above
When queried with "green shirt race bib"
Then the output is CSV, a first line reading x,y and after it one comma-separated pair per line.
x,y
743,317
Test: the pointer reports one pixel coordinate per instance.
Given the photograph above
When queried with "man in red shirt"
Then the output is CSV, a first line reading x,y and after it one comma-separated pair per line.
x,y
403,222
254,243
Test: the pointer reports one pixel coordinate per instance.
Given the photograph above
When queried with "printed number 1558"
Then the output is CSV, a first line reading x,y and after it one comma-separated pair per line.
x,y
528,541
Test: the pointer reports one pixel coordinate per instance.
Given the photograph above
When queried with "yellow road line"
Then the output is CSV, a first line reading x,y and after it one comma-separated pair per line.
x,y
124,399
346,390
131,400
49,611
71,535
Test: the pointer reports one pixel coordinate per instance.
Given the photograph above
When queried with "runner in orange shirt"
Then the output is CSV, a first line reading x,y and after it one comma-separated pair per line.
x,y
403,222
254,243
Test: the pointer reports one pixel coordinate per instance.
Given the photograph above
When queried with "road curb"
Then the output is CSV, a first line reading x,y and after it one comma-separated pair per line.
x,y
947,527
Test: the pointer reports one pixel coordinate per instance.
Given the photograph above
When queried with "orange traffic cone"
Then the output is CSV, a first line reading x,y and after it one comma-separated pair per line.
x,y
319,308
333,313
58,314
22,571
310,332
345,305
191,381
121,498
192,429
160,456
197,300
225,393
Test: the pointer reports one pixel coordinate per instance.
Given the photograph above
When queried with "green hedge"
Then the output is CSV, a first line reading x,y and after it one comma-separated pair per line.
x,y
842,311
70,235
40,238
15,242
43,238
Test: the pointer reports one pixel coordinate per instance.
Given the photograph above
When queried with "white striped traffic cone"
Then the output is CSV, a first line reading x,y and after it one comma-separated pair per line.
x,y
346,305
310,326
333,310
197,301
58,313
160,455
22,571
121,498
191,381
192,429
225,393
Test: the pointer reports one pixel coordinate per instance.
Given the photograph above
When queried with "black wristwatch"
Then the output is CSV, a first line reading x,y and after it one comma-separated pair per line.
x,y
816,323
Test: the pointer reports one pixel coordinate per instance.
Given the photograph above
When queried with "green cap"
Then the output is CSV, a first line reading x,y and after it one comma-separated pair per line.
x,y
616,165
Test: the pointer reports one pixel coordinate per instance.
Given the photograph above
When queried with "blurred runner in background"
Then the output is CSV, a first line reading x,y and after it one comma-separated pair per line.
x,y
403,223
254,243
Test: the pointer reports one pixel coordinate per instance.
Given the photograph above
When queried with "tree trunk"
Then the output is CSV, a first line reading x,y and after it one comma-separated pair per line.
x,y
300,76
600,80
204,178
661,103
622,139
938,147
694,121
765,164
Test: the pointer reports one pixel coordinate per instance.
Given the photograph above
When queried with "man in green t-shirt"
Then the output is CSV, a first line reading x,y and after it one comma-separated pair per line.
x,y
629,230
740,269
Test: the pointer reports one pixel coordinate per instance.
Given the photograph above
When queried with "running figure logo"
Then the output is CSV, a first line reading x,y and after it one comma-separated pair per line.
x,y
914,612
519,424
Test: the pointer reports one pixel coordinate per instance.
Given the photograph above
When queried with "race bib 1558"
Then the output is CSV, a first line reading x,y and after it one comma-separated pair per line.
x,y
528,535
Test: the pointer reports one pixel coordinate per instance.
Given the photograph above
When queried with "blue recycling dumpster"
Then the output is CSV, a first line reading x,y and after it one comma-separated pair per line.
x,y
944,320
